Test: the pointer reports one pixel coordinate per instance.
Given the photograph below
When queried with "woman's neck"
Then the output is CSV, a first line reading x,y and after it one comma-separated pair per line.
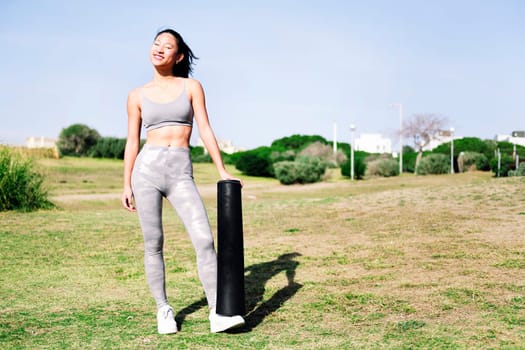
x,y
162,75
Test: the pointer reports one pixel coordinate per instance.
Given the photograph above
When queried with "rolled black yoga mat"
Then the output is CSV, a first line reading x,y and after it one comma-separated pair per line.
x,y
230,254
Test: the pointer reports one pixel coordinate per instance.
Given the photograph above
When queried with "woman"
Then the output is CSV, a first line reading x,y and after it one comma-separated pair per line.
x,y
166,107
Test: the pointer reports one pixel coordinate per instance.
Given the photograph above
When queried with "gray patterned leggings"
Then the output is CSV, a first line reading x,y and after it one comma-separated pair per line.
x,y
167,172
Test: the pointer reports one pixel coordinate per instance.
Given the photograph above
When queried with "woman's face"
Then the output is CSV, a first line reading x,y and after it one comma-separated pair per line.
x,y
164,50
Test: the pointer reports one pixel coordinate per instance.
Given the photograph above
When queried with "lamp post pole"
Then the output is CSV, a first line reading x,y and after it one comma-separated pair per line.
x,y
516,157
352,130
452,150
400,106
335,141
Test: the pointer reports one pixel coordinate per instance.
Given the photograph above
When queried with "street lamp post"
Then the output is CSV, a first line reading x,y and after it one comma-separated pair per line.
x,y
452,150
516,157
352,130
335,142
400,106
499,160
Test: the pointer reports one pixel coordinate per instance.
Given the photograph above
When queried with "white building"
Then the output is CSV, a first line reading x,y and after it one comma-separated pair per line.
x,y
40,142
517,138
373,143
224,145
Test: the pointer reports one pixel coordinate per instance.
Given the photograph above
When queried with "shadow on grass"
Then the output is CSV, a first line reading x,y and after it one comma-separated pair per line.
x,y
254,283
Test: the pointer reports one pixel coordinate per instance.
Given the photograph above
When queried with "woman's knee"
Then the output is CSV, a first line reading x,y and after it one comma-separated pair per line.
x,y
153,244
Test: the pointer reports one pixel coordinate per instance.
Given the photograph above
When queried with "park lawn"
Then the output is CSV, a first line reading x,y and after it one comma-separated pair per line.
x,y
426,262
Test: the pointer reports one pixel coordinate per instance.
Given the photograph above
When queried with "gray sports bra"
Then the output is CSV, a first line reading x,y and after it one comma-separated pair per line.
x,y
177,112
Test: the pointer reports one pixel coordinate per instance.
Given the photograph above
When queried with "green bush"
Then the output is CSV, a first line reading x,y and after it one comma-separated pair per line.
x,y
77,140
341,146
21,187
359,165
409,161
203,158
472,161
507,161
303,170
279,156
109,147
475,145
465,144
297,142
226,158
507,164
260,161
518,172
508,148
383,167
408,149
434,163
198,155
196,151
255,162
286,172
324,152
311,169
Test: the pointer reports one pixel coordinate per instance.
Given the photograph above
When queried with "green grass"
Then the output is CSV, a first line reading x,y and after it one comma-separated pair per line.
x,y
411,262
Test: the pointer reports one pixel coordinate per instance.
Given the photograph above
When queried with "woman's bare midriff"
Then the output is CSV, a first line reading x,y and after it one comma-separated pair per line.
x,y
170,136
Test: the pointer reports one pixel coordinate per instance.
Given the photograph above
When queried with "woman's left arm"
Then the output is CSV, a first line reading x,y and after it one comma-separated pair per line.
x,y
205,131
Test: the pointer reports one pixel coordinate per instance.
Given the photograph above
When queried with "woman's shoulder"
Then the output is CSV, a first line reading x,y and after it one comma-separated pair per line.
x,y
135,94
191,80
193,85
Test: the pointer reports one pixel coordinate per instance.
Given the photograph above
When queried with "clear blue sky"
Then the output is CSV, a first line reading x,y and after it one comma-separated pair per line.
x,y
270,68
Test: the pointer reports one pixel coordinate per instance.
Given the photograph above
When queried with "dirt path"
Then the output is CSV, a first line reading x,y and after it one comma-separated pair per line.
x,y
206,190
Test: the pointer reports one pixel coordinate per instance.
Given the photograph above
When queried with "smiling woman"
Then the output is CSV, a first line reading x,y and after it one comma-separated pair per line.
x,y
166,107
170,43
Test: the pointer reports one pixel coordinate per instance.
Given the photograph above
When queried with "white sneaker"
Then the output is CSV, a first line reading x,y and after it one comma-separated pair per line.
x,y
220,323
166,320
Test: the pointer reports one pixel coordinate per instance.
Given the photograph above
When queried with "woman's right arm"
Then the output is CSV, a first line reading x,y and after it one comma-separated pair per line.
x,y
132,146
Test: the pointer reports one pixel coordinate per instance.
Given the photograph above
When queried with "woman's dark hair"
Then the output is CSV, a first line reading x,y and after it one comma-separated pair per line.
x,y
183,68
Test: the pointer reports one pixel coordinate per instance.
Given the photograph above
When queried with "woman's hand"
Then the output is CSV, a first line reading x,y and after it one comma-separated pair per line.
x,y
227,176
127,200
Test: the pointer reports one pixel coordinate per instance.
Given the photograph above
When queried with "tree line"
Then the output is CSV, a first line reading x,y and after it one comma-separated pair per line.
x,y
292,159
305,158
